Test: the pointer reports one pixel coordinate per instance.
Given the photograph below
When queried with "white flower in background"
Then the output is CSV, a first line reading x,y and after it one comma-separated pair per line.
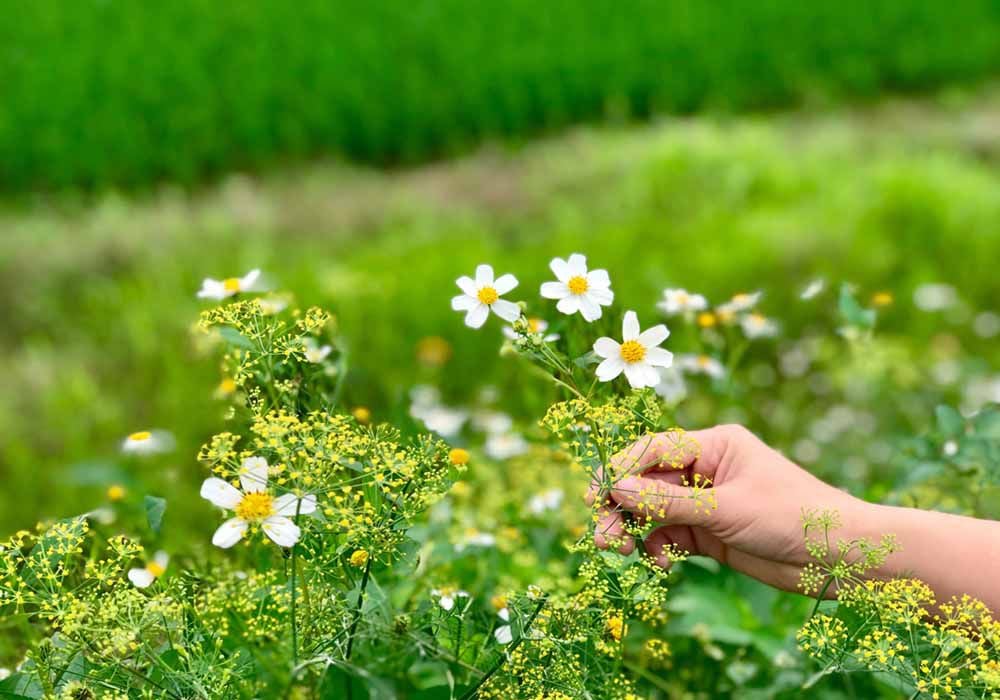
x,y
492,422
273,305
424,395
475,538
254,505
447,597
545,501
482,295
672,387
935,297
536,326
144,577
505,446
739,303
678,301
950,448
314,352
758,326
637,356
145,442
578,289
701,364
503,633
986,324
443,420
813,289
221,289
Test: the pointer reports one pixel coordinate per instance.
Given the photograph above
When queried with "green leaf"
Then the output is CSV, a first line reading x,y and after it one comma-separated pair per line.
x,y
155,508
234,337
949,421
586,360
853,312
20,687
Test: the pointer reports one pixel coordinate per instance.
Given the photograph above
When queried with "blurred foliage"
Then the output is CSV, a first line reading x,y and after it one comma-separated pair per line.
x,y
127,93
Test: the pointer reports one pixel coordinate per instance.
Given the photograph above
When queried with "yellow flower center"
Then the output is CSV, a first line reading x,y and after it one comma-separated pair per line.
x,y
141,436
116,492
458,456
706,319
255,507
882,299
632,351
488,295
362,415
757,319
741,298
534,325
499,602
681,297
155,569
231,284
578,284
704,361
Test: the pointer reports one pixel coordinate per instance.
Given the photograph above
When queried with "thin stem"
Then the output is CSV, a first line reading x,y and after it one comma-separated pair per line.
x,y
821,596
471,692
354,624
295,617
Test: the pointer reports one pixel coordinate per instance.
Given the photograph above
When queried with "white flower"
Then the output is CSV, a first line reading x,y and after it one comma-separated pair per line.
x,y
482,295
950,448
577,289
545,501
505,446
273,305
316,353
740,302
446,422
147,442
446,597
638,356
934,297
672,387
757,326
475,538
141,578
813,289
536,326
492,422
220,289
702,364
503,633
677,301
255,506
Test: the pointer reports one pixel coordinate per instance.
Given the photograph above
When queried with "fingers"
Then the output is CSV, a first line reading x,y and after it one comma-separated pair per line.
x,y
664,501
671,450
610,530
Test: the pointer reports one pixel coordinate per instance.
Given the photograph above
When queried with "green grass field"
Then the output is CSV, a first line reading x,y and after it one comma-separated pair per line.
x,y
126,94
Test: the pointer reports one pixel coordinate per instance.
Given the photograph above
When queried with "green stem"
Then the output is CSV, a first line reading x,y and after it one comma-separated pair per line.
x,y
295,617
354,624
471,692
821,597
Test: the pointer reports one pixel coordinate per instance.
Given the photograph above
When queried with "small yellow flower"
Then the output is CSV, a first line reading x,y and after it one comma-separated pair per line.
x,y
362,415
433,351
499,601
882,298
459,457
616,627
359,558
116,492
706,319
227,387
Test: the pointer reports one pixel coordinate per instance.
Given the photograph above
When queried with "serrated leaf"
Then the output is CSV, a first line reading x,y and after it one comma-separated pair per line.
x,y
155,508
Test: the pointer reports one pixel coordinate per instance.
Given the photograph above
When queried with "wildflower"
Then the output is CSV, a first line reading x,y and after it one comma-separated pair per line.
x,y
359,558
116,492
144,577
433,351
616,626
458,456
505,445
148,442
227,387
492,422
221,289
446,422
706,319
672,387
813,289
475,538
701,364
882,298
677,301
362,415
740,302
935,297
758,326
535,326
637,356
446,597
482,295
255,506
578,289
314,352
547,500
503,633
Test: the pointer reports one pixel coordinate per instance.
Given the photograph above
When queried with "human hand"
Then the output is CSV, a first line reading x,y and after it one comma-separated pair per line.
x,y
756,527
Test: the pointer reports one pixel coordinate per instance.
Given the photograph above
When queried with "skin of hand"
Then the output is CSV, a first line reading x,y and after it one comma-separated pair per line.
x,y
757,525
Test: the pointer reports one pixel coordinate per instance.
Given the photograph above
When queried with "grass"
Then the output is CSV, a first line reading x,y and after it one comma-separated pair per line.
x,y
190,88
97,342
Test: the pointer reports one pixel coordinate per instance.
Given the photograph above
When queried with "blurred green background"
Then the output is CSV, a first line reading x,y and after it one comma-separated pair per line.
x,y
146,146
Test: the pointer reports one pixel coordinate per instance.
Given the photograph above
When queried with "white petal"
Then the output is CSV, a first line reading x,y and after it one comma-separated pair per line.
x,y
161,559
248,280
467,285
253,474
505,283
281,530
447,602
610,368
598,279
140,578
229,533
636,375
503,634
658,357
577,265
569,305
477,316
507,310
287,504
604,297
589,308
484,276
651,337
504,614
220,493
555,290
630,326
560,269
607,347
463,302
651,374
211,289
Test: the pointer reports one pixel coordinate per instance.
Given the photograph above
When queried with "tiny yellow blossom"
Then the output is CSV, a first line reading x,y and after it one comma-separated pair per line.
x,y
459,456
362,415
359,558
116,492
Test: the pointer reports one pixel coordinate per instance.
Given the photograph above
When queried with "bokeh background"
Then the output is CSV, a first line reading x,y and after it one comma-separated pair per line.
x,y
364,155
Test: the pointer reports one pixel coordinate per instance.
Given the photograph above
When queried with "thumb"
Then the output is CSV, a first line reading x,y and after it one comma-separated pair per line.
x,y
666,502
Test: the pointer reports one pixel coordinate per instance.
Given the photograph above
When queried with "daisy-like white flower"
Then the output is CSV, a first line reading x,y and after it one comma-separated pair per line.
x,y
482,295
475,538
702,364
813,289
545,501
678,301
492,422
758,326
154,569
672,387
145,442
316,353
503,633
447,597
221,289
536,326
505,445
577,289
254,505
637,356
726,313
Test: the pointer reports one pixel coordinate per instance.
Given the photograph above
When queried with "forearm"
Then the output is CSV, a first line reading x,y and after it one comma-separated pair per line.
x,y
952,554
